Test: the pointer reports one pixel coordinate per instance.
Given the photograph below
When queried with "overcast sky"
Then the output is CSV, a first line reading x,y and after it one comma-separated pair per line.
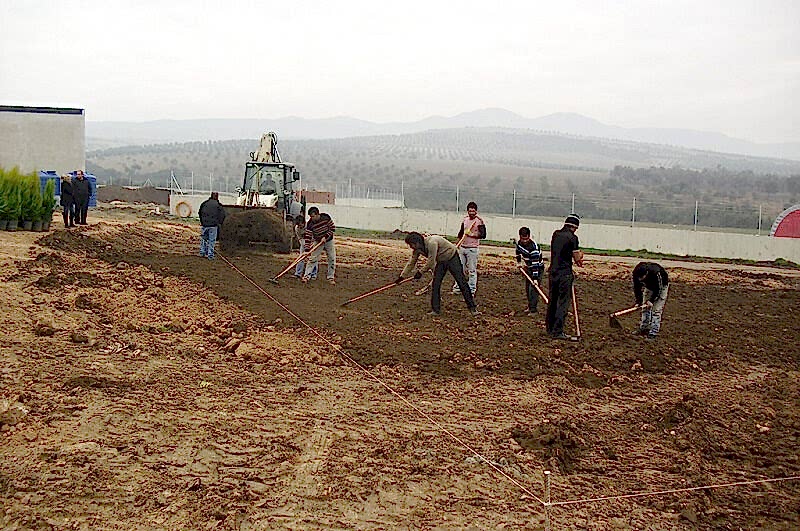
x,y
730,65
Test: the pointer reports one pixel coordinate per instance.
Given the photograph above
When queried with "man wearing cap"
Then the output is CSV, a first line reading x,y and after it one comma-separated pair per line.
x,y
564,249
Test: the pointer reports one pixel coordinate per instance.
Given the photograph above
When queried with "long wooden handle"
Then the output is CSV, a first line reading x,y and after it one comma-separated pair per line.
x,y
626,311
377,290
297,260
575,312
463,236
535,285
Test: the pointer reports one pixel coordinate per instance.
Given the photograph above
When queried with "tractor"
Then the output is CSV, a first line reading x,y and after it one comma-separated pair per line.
x,y
266,204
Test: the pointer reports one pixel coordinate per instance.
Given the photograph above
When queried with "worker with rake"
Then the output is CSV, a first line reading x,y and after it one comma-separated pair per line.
x,y
650,286
527,252
442,256
564,249
319,229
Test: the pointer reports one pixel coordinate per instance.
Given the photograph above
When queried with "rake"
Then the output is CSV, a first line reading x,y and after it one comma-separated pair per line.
x,y
535,285
613,322
296,261
377,290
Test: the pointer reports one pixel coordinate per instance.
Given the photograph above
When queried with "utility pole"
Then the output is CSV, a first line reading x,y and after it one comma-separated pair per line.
x,y
695,214
633,215
573,205
759,220
514,205
456,198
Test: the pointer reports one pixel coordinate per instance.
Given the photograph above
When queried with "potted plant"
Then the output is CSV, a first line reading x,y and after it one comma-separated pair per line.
x,y
11,193
3,200
31,201
48,204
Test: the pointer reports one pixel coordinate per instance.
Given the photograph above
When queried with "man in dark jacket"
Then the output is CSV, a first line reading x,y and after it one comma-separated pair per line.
x,y
67,202
650,287
564,248
81,191
212,215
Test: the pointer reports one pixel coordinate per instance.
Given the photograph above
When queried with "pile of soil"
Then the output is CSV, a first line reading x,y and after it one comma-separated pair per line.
x,y
257,227
147,194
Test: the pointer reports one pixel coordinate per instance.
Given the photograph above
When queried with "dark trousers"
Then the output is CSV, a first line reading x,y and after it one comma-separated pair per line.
x,y
532,294
560,298
68,211
81,209
457,270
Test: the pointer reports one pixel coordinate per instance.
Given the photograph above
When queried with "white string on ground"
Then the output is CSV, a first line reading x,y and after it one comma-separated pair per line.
x,y
673,491
386,386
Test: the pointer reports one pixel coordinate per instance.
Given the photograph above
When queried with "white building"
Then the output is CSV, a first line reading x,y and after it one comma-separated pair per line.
x,y
42,138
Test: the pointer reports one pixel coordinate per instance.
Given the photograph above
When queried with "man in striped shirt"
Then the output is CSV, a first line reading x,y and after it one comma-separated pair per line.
x,y
320,228
527,251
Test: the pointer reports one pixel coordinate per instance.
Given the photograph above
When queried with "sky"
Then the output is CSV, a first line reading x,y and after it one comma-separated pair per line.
x,y
730,66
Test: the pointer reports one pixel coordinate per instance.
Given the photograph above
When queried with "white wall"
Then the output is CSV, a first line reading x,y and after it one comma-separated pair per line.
x,y
591,234
51,139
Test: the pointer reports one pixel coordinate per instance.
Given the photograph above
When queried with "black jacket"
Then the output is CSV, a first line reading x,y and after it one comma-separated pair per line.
x,y
655,279
81,190
212,214
563,243
66,193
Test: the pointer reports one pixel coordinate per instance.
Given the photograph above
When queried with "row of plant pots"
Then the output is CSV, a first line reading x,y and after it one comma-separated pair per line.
x,y
35,226
26,202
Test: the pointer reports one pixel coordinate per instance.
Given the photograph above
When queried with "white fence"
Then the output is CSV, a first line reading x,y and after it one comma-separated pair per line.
x,y
591,234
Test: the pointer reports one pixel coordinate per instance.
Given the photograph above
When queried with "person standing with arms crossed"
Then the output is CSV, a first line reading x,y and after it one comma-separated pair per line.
x,y
472,231
81,191
564,249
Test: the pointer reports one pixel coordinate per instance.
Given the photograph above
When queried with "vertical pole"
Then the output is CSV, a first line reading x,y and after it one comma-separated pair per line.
x,y
572,211
759,220
351,187
211,181
633,215
547,500
514,205
403,193
456,198
695,214
192,183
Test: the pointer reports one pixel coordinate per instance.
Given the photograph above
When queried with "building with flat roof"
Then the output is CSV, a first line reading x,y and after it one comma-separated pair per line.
x,y
42,138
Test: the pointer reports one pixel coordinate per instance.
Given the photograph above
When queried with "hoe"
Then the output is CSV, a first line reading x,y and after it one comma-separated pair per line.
x,y
613,322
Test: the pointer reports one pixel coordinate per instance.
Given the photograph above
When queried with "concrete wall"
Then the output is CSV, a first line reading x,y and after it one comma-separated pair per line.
x,y
42,138
195,200
591,234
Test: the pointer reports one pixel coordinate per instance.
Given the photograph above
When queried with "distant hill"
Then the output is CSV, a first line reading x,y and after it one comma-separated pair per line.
x,y
107,134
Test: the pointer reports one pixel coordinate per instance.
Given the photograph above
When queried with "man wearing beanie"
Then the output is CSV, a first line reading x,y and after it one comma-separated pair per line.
x,y
564,249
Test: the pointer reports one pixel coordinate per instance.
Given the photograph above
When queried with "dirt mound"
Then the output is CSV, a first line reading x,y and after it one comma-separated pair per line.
x,y
244,229
556,445
147,194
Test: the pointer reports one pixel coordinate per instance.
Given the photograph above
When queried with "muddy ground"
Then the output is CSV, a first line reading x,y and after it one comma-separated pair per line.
x,y
142,387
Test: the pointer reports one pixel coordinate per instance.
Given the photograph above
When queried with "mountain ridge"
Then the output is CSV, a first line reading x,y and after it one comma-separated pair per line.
x,y
294,127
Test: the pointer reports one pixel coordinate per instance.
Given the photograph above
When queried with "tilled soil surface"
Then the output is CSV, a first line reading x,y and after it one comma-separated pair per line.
x,y
143,387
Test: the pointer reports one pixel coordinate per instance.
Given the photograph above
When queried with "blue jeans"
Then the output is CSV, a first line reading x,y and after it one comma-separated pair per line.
x,y
469,257
301,266
208,237
651,317
313,260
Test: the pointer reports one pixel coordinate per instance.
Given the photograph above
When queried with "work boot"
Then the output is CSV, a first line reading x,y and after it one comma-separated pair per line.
x,y
332,282
651,337
563,337
434,313
474,312
640,332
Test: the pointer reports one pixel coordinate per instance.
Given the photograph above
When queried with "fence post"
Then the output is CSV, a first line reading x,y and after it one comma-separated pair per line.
x,y
759,220
456,198
633,215
695,215
573,205
547,500
514,205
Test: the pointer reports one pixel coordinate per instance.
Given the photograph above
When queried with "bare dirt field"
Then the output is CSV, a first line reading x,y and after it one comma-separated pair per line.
x,y
143,387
